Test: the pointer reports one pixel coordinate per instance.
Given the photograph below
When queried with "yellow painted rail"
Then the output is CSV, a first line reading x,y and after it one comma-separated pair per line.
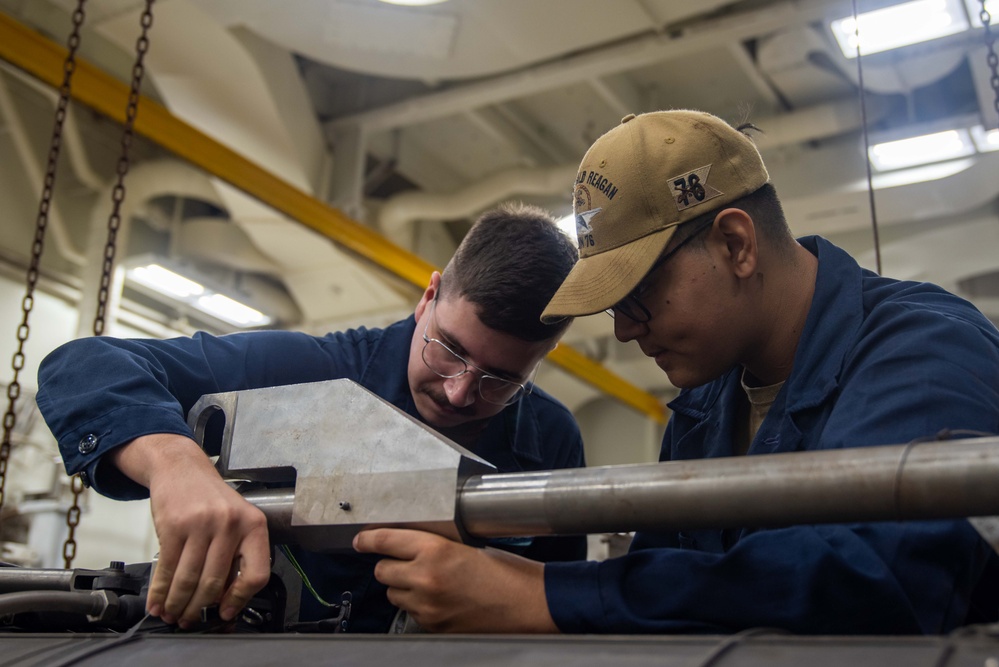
x,y
44,58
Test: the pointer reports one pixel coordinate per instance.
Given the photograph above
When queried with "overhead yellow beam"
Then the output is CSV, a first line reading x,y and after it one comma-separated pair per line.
x,y
44,59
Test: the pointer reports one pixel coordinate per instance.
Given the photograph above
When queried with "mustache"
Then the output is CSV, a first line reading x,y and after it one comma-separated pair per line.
x,y
440,398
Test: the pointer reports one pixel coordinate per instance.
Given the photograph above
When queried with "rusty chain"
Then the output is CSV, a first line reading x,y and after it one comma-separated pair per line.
x,y
992,58
41,224
114,223
118,194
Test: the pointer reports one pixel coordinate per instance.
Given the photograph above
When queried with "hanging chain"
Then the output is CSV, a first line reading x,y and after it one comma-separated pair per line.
x,y
118,194
992,58
41,224
114,222
72,521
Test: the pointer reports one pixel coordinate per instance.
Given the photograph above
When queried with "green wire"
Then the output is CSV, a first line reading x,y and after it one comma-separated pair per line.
x,y
305,579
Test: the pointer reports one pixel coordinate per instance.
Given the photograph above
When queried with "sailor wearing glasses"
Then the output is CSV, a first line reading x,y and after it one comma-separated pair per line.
x,y
462,364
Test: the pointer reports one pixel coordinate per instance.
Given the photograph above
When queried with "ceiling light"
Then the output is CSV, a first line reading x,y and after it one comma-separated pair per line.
x,y
165,281
925,149
922,174
231,311
985,141
899,25
413,3
159,280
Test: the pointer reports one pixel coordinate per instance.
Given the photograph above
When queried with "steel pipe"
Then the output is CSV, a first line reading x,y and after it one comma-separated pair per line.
x,y
16,579
938,480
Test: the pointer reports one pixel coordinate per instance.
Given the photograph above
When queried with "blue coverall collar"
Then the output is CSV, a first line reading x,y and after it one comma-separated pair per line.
x,y
829,328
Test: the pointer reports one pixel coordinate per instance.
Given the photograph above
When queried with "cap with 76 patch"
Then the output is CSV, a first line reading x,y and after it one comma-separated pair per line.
x,y
635,185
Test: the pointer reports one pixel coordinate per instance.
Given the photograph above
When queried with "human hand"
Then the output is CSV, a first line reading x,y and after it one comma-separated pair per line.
x,y
214,545
451,587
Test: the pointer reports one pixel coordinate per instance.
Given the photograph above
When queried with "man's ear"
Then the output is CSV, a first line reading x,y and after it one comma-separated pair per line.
x,y
739,235
428,294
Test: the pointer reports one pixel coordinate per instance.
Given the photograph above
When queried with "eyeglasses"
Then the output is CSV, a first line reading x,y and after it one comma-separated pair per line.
x,y
631,306
447,363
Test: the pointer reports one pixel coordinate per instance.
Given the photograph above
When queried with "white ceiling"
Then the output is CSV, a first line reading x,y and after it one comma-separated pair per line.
x,y
414,120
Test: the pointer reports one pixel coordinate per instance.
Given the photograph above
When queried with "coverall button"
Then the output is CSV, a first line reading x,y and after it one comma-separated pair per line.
x,y
88,443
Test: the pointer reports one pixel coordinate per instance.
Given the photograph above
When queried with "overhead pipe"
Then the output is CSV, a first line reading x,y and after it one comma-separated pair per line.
x,y
402,209
818,122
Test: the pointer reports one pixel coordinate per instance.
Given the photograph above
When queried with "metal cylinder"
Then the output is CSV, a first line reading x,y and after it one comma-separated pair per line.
x,y
277,505
925,481
16,579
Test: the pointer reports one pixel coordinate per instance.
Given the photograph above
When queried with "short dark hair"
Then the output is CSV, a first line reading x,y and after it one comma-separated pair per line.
x,y
763,206
509,265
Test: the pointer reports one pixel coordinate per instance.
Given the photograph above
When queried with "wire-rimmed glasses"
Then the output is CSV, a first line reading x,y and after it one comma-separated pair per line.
x,y
631,306
447,363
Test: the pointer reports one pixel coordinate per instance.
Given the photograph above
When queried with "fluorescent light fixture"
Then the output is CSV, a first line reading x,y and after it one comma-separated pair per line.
x,y
975,12
165,281
985,141
413,3
158,279
231,311
899,25
923,174
925,149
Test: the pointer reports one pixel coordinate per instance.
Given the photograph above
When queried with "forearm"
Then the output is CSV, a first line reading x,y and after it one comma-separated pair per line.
x,y
142,459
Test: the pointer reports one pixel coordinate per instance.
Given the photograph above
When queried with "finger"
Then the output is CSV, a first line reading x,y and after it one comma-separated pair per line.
x,y
159,586
213,574
401,598
396,543
253,573
185,579
395,574
163,574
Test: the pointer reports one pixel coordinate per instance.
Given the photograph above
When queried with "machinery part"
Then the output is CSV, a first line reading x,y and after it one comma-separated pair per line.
x,y
392,470
14,579
114,598
935,481
95,605
925,481
355,459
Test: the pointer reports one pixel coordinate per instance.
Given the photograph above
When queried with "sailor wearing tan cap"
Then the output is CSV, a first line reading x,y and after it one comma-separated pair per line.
x,y
780,345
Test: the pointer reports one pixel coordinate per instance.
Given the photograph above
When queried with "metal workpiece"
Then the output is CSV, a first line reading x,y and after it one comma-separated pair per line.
x,y
351,458
937,480
343,459
899,482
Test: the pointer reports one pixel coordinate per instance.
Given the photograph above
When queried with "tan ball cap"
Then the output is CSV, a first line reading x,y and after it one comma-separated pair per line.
x,y
635,185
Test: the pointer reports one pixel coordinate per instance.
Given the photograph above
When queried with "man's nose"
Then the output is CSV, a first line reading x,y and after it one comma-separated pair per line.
x,y
461,390
626,329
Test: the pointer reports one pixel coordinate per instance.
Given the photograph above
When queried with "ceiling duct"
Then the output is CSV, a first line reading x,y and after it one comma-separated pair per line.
x,y
399,211
807,68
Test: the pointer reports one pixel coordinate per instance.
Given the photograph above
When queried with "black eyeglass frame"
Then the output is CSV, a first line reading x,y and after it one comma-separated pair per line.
x,y
522,389
631,301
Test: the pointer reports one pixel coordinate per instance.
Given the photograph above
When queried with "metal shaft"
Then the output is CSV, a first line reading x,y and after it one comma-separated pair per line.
x,y
925,481
16,579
